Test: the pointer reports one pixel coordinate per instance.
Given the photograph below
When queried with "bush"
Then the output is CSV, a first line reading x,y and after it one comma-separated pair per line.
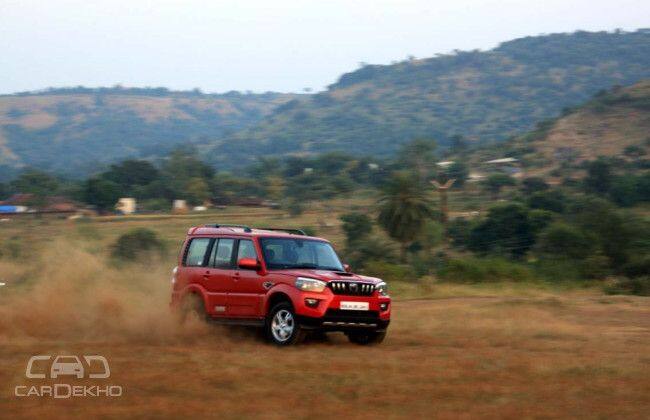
x,y
638,266
639,286
357,226
484,270
136,244
389,271
371,249
566,241
458,231
295,208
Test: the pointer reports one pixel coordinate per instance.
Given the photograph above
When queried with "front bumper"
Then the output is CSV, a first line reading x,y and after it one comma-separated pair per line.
x,y
329,316
339,320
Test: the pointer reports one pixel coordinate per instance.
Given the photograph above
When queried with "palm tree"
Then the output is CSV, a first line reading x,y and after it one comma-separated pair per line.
x,y
403,208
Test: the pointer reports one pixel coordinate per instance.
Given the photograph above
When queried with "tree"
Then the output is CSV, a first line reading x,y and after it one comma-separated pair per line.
x,y
599,177
101,193
562,240
35,182
419,155
403,208
533,184
4,191
495,182
614,232
457,171
458,144
628,190
507,229
197,191
130,173
357,226
552,200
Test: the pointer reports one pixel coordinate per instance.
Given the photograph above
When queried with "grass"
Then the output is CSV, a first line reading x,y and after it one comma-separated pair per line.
x,y
502,349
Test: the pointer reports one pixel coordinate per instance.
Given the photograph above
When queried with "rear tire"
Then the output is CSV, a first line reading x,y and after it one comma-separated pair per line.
x,y
192,308
366,338
281,327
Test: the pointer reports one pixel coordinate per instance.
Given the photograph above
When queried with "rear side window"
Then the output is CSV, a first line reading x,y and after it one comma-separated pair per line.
x,y
222,253
196,252
246,250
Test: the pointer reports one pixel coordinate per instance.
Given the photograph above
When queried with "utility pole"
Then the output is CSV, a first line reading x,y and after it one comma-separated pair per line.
x,y
442,191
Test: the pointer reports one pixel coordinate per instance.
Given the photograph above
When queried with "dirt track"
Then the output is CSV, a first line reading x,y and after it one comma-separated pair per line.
x,y
467,357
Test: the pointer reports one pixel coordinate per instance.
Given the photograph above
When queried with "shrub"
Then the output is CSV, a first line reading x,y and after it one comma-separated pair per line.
x,y
566,241
371,249
137,243
484,270
458,231
390,271
507,229
295,208
639,286
357,226
638,266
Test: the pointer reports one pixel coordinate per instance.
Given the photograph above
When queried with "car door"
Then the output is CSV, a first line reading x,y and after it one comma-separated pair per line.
x,y
245,300
217,278
195,261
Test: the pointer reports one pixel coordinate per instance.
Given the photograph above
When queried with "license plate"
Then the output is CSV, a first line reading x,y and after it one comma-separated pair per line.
x,y
354,306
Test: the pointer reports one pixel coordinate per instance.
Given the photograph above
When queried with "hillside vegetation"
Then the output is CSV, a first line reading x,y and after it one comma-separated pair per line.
x,y
73,131
615,123
482,96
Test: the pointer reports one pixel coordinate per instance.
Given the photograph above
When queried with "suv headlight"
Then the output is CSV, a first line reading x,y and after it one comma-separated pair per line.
x,y
310,285
382,288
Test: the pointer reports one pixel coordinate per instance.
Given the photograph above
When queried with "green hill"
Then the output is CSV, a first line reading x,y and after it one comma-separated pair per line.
x,y
483,96
614,123
76,131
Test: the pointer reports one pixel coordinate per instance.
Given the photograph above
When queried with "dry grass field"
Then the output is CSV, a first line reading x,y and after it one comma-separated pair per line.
x,y
500,351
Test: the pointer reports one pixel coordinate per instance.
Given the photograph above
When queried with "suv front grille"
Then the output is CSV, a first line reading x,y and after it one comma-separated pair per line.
x,y
351,288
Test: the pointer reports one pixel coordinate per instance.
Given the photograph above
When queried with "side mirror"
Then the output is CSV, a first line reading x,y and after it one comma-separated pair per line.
x,y
347,268
249,264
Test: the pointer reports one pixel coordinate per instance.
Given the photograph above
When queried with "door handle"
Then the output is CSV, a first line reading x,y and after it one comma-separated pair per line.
x,y
236,276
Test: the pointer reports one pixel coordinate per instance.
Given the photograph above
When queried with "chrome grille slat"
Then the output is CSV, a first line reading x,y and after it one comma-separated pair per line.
x,y
351,288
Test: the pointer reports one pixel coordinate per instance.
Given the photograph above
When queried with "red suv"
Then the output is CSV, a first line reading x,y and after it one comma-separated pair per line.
x,y
279,279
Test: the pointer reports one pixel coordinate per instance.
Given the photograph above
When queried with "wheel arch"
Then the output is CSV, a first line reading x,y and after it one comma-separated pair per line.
x,y
276,296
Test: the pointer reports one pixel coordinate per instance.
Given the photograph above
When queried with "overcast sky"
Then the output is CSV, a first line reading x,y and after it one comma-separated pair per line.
x,y
262,45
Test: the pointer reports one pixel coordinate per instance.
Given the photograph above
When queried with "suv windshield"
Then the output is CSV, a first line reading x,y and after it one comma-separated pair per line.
x,y
299,253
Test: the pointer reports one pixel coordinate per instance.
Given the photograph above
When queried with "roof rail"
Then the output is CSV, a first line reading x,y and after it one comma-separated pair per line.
x,y
291,231
247,229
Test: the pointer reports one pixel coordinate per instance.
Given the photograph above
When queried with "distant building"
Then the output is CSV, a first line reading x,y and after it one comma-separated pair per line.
x,y
508,165
179,207
501,161
126,205
29,203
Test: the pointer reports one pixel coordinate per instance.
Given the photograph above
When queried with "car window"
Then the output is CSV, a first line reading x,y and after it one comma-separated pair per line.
x,y
196,252
246,250
222,253
280,253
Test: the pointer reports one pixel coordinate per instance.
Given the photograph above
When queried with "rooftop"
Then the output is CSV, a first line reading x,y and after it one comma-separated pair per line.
x,y
242,230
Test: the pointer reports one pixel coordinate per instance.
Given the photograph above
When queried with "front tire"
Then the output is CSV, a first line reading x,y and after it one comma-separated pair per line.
x,y
282,327
366,338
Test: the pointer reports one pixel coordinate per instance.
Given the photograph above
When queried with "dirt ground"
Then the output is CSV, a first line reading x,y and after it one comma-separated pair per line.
x,y
501,350
534,357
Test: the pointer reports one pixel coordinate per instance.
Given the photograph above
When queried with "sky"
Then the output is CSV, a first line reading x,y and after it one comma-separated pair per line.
x,y
264,45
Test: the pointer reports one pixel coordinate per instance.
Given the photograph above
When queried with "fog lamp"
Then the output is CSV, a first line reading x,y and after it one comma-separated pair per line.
x,y
383,306
311,302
